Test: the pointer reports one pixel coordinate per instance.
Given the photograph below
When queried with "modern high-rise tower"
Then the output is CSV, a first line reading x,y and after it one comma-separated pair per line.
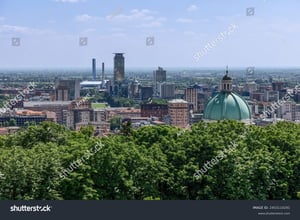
x,y
119,67
160,76
94,68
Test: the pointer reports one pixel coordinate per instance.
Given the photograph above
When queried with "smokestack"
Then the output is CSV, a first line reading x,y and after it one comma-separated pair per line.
x,y
102,75
94,68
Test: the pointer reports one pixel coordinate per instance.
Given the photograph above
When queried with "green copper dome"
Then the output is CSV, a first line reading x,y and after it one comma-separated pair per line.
x,y
227,105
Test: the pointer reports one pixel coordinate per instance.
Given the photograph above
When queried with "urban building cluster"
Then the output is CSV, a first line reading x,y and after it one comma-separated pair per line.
x,y
160,100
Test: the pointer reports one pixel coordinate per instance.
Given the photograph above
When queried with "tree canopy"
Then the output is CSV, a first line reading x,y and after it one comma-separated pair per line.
x,y
48,161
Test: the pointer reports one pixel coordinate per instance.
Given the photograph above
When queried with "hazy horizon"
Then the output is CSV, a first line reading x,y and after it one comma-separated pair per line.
x,y
128,69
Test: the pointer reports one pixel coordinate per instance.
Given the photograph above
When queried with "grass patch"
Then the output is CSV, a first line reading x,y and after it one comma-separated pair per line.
x,y
99,105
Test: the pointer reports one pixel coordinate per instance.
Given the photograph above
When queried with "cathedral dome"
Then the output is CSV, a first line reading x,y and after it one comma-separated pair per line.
x,y
227,104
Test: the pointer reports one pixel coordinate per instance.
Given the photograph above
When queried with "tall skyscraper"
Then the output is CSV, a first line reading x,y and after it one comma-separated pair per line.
x,y
94,68
119,67
159,76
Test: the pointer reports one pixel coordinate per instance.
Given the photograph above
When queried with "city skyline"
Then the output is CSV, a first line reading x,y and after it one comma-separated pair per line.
x,y
69,33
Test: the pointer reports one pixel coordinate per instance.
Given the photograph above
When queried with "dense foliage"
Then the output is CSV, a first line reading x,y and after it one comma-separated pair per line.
x,y
155,162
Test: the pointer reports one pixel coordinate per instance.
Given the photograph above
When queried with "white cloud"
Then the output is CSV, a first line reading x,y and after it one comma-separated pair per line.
x,y
86,17
154,24
144,18
69,1
192,8
2,19
184,20
135,14
13,29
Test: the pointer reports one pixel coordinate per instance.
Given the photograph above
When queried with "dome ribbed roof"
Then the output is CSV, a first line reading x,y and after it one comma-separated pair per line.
x,y
227,105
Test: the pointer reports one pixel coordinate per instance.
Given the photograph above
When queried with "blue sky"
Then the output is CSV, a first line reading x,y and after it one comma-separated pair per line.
x,y
49,32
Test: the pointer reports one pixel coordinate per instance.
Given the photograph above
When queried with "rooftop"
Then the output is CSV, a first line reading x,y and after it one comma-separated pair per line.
x,y
227,105
177,101
38,103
